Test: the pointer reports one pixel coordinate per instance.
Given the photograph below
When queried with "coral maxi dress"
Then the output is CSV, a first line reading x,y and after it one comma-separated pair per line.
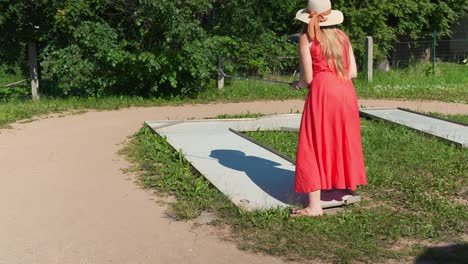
x,y
329,154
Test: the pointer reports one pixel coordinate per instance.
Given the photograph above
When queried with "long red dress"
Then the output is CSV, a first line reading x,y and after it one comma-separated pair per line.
x,y
329,154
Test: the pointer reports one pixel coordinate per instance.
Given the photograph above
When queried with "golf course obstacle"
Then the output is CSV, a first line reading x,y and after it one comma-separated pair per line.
x,y
255,176
451,131
252,176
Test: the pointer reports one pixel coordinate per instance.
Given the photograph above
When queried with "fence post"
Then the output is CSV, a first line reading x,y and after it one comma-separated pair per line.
x,y
220,76
434,42
32,54
369,57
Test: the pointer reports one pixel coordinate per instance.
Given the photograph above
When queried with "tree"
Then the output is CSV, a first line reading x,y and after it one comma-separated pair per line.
x,y
171,47
23,24
388,21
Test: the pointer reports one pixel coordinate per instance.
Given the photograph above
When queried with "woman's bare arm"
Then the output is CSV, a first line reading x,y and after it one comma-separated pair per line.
x,y
305,64
306,61
352,63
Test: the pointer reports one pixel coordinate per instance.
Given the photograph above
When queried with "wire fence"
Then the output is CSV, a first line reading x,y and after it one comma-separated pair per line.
x,y
408,53
403,54
280,70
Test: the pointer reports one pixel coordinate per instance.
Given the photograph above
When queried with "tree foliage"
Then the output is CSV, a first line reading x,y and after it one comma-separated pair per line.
x,y
388,21
171,47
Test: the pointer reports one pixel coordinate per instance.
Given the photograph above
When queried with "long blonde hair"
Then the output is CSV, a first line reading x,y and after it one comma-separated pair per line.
x,y
332,43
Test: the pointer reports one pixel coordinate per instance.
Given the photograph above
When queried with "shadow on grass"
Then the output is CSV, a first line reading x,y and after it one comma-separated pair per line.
x,y
457,253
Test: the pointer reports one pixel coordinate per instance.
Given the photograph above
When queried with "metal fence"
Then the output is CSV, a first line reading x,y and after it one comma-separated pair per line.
x,y
284,70
403,54
428,51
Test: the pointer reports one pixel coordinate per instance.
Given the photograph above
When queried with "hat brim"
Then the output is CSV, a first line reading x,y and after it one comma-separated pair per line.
x,y
334,18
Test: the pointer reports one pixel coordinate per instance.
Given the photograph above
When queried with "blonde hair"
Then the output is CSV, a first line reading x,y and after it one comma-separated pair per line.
x,y
332,43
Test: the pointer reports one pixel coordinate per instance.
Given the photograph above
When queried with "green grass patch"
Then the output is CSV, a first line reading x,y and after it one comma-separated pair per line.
x,y
451,84
14,110
456,118
247,115
238,90
416,196
416,82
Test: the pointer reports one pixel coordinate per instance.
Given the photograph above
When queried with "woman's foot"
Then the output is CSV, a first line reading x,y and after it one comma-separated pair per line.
x,y
308,211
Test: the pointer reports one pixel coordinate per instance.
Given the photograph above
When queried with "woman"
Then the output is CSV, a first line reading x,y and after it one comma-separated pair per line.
x,y
329,154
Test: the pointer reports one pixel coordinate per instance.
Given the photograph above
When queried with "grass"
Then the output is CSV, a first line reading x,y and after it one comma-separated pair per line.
x,y
451,84
415,82
457,118
15,110
247,115
160,167
238,90
416,196
8,76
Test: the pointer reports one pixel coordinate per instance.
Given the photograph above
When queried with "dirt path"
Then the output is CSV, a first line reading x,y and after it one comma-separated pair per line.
x,y
64,199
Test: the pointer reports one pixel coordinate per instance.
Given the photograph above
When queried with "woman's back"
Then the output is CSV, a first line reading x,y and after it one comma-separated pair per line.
x,y
337,60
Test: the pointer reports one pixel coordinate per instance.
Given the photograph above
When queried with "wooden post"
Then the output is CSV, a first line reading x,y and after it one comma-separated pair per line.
x,y
434,45
369,57
32,53
220,76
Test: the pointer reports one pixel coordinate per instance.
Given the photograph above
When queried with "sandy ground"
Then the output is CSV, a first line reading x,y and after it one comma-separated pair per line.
x,y
64,198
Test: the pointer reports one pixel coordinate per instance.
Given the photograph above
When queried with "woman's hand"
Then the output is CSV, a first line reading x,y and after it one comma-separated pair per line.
x,y
297,85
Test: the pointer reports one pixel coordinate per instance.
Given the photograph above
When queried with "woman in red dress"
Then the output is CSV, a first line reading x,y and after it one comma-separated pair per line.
x,y
329,154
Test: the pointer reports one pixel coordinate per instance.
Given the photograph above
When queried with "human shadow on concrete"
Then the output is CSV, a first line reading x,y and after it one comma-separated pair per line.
x,y
266,174
277,182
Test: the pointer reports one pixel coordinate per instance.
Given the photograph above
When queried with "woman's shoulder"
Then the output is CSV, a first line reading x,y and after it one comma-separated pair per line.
x,y
304,38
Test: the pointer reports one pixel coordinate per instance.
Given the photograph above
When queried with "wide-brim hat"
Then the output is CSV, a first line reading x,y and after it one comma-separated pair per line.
x,y
319,6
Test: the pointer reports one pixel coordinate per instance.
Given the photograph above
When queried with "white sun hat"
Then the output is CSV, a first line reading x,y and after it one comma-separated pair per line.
x,y
321,8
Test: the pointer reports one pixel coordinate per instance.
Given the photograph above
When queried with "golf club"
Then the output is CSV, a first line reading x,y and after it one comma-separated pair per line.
x,y
250,79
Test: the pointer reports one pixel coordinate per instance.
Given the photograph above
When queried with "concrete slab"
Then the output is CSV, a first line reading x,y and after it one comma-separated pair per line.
x,y
250,175
451,131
